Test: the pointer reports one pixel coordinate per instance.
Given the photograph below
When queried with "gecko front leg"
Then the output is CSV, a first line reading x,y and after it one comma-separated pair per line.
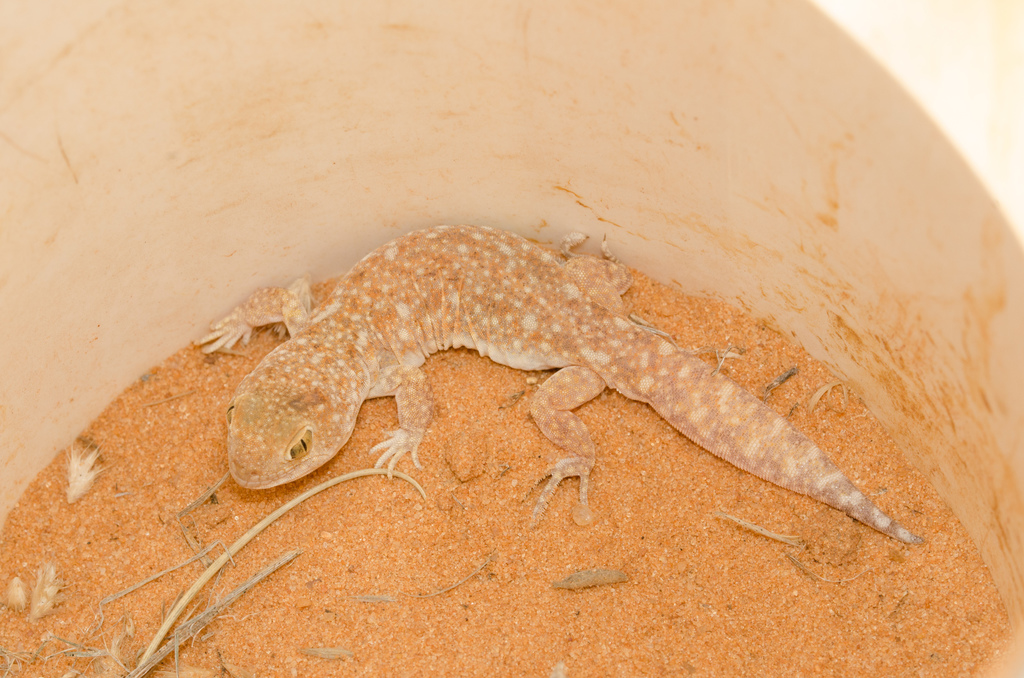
x,y
566,390
265,306
415,411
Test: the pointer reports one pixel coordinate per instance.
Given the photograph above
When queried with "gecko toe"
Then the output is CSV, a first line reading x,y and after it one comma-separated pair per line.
x,y
397,445
565,468
226,334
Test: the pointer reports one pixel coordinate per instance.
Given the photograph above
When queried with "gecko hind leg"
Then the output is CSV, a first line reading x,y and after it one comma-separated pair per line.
x,y
566,390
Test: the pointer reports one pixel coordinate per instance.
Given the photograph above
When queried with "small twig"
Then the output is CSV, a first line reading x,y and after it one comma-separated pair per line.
x,y
779,381
195,625
374,599
899,604
14,659
75,649
817,577
193,542
173,397
47,639
792,540
456,499
720,355
87,653
201,499
643,324
72,643
253,531
456,584
327,652
114,596
511,400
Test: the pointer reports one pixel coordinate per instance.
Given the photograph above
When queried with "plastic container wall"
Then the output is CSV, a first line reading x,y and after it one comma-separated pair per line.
x,y
158,162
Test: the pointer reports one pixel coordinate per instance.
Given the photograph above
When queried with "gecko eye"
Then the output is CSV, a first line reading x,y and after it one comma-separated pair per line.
x,y
231,409
301,446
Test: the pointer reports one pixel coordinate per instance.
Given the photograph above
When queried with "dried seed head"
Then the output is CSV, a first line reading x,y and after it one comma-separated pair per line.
x,y
46,592
106,667
82,471
117,645
17,594
237,671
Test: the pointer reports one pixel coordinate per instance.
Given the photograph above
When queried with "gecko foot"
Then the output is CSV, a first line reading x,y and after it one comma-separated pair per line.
x,y
227,331
396,446
265,306
565,468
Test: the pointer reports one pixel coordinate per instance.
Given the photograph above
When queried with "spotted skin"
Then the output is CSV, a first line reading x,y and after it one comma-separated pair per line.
x,y
520,305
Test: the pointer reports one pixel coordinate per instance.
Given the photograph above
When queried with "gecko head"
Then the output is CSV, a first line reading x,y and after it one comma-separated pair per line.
x,y
286,420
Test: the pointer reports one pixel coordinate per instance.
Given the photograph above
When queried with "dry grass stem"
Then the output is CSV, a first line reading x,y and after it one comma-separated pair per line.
x,y
720,355
114,596
248,536
192,542
790,539
456,584
82,471
374,599
185,671
13,662
196,624
74,649
201,499
169,399
327,652
46,592
817,577
637,320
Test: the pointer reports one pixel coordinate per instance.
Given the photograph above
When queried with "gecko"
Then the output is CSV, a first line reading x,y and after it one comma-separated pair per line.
x,y
521,305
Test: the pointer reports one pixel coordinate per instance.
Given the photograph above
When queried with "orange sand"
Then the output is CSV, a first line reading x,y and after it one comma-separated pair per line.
x,y
705,597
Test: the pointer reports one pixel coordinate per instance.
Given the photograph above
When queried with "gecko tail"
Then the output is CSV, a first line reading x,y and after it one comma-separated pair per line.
x,y
720,416
857,506
838,492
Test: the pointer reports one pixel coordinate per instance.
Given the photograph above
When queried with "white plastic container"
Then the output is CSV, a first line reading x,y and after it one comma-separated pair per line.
x,y
158,162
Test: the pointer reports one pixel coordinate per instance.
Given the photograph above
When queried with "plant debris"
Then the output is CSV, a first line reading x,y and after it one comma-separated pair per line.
x,y
46,593
792,540
779,381
456,584
812,402
82,471
817,577
587,578
327,652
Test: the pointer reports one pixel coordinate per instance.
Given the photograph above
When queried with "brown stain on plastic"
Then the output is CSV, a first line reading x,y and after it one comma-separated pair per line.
x,y
830,215
944,412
